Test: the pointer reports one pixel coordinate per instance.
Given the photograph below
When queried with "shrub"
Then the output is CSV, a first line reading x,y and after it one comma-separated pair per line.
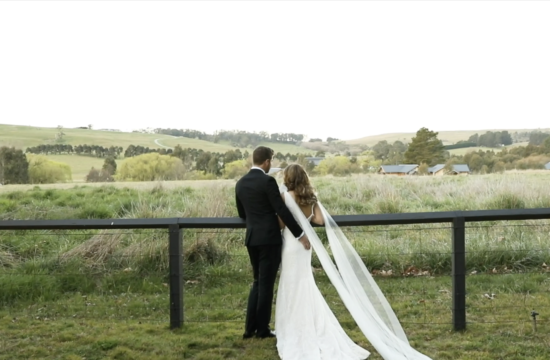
x,y
337,166
151,167
388,206
204,251
506,201
45,171
99,176
423,169
236,169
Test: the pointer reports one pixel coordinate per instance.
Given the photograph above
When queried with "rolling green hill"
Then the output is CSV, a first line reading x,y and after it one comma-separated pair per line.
x,y
25,136
22,137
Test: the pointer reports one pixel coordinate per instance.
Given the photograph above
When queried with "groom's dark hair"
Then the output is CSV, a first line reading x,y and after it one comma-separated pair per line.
x,y
261,154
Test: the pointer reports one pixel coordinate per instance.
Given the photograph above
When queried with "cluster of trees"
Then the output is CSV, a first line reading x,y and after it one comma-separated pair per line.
x,y
214,162
105,174
237,138
521,158
425,147
136,150
19,168
491,139
389,153
87,150
538,137
501,138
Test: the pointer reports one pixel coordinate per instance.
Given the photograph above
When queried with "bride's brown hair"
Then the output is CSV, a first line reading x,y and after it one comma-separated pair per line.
x,y
296,179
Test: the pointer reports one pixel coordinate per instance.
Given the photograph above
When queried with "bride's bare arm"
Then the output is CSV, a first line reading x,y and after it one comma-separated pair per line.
x,y
317,216
281,223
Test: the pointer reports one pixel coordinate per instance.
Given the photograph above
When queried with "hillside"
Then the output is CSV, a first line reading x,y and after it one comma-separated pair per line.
x,y
447,137
22,137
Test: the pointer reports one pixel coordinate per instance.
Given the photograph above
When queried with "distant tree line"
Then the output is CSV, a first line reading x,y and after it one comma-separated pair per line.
x,y
136,150
235,138
461,145
520,158
538,138
491,139
501,138
85,150
192,134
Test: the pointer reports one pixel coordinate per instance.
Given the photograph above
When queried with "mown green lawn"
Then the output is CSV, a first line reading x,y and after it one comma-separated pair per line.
x,y
134,325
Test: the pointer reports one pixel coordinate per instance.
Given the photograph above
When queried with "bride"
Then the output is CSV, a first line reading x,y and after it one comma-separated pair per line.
x,y
305,326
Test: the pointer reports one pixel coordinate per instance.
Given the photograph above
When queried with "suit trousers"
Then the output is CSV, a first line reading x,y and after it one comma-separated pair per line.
x,y
265,261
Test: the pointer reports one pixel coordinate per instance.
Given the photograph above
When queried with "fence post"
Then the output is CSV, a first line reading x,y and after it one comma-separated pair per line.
x,y
175,254
459,274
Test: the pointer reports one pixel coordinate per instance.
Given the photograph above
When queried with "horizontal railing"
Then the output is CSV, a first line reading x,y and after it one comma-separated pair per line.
x,y
236,223
458,219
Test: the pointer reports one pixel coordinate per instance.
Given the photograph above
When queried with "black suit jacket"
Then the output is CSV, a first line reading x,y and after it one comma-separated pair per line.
x,y
259,202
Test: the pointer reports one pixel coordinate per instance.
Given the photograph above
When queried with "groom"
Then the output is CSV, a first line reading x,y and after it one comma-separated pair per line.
x,y
259,202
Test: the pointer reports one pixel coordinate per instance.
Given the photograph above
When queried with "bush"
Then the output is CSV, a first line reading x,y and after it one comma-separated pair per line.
x,y
45,171
506,201
151,167
99,176
389,206
337,166
423,169
236,169
204,251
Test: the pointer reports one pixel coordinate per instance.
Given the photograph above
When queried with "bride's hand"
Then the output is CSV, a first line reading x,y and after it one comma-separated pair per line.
x,y
305,241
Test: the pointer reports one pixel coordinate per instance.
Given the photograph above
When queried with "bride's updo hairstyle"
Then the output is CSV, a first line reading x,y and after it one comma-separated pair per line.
x,y
296,179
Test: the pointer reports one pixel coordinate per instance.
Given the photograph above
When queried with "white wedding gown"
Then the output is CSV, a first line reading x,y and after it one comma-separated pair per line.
x,y
305,326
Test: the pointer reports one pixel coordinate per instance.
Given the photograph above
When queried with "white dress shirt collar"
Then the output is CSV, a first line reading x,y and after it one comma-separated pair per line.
x,y
258,168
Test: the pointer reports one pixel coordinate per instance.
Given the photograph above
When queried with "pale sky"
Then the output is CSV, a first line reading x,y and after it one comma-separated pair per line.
x,y
319,68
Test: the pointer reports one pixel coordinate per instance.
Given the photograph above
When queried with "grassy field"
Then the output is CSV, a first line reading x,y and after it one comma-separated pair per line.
x,y
80,165
24,136
447,137
103,294
125,325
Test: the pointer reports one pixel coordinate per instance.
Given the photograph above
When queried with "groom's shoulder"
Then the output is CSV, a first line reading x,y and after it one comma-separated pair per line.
x,y
246,177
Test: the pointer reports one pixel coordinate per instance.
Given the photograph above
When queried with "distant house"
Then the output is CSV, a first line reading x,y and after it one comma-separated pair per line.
x,y
547,166
399,170
315,160
458,169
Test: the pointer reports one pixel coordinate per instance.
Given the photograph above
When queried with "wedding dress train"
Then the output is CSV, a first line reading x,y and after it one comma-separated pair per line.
x,y
306,327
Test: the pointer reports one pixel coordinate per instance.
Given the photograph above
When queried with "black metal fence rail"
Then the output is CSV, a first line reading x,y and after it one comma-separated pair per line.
x,y
458,219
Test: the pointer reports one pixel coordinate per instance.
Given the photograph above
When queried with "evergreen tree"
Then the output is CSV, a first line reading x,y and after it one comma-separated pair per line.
x,y
425,147
109,165
14,167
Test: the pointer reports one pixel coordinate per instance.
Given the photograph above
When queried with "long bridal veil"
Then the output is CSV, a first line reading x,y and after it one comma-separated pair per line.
x,y
357,289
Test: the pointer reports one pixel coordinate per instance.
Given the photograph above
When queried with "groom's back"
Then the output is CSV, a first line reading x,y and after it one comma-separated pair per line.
x,y
262,226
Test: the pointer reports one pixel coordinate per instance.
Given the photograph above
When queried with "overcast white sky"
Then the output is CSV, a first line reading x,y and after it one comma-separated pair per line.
x,y
327,68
